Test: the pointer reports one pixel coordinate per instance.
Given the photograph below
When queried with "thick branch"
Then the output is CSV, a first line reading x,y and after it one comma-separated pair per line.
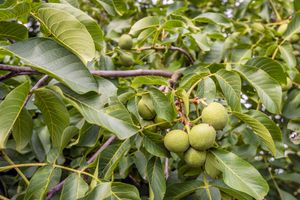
x,y
173,48
17,70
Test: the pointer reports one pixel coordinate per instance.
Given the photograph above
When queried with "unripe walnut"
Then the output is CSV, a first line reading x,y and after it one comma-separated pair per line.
x,y
146,108
176,141
216,115
125,42
202,136
194,158
126,59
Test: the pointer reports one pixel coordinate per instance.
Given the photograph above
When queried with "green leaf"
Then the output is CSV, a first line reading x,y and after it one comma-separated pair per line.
x,y
144,23
192,78
239,174
119,127
289,177
230,83
291,108
207,88
162,105
216,53
107,6
272,67
293,27
268,123
47,56
288,55
113,190
149,80
178,191
268,90
153,143
66,29
67,135
285,195
7,3
228,190
111,157
171,25
213,18
120,6
39,183
202,41
13,30
74,187
90,24
259,129
156,178
11,108
14,11
54,112
22,129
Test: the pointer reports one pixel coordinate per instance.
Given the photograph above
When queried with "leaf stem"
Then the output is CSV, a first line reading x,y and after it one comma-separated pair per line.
x,y
7,158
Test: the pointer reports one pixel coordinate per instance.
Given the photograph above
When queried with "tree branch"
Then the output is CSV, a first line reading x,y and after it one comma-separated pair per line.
x,y
104,146
60,185
103,73
36,86
173,48
130,73
16,68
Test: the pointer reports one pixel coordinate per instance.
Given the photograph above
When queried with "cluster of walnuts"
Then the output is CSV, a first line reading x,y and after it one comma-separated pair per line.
x,y
194,144
201,137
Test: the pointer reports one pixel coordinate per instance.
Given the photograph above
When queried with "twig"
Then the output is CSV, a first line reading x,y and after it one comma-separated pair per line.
x,y
166,168
173,48
104,146
16,68
60,185
38,84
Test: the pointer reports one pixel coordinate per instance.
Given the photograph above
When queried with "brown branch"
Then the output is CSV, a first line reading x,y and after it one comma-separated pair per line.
x,y
103,73
60,185
130,73
38,84
104,146
173,48
16,68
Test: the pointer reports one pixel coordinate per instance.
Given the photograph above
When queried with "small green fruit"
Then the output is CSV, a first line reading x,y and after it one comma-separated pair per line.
x,y
146,108
288,85
202,136
176,141
216,115
195,158
125,42
281,29
258,27
164,124
211,170
126,59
